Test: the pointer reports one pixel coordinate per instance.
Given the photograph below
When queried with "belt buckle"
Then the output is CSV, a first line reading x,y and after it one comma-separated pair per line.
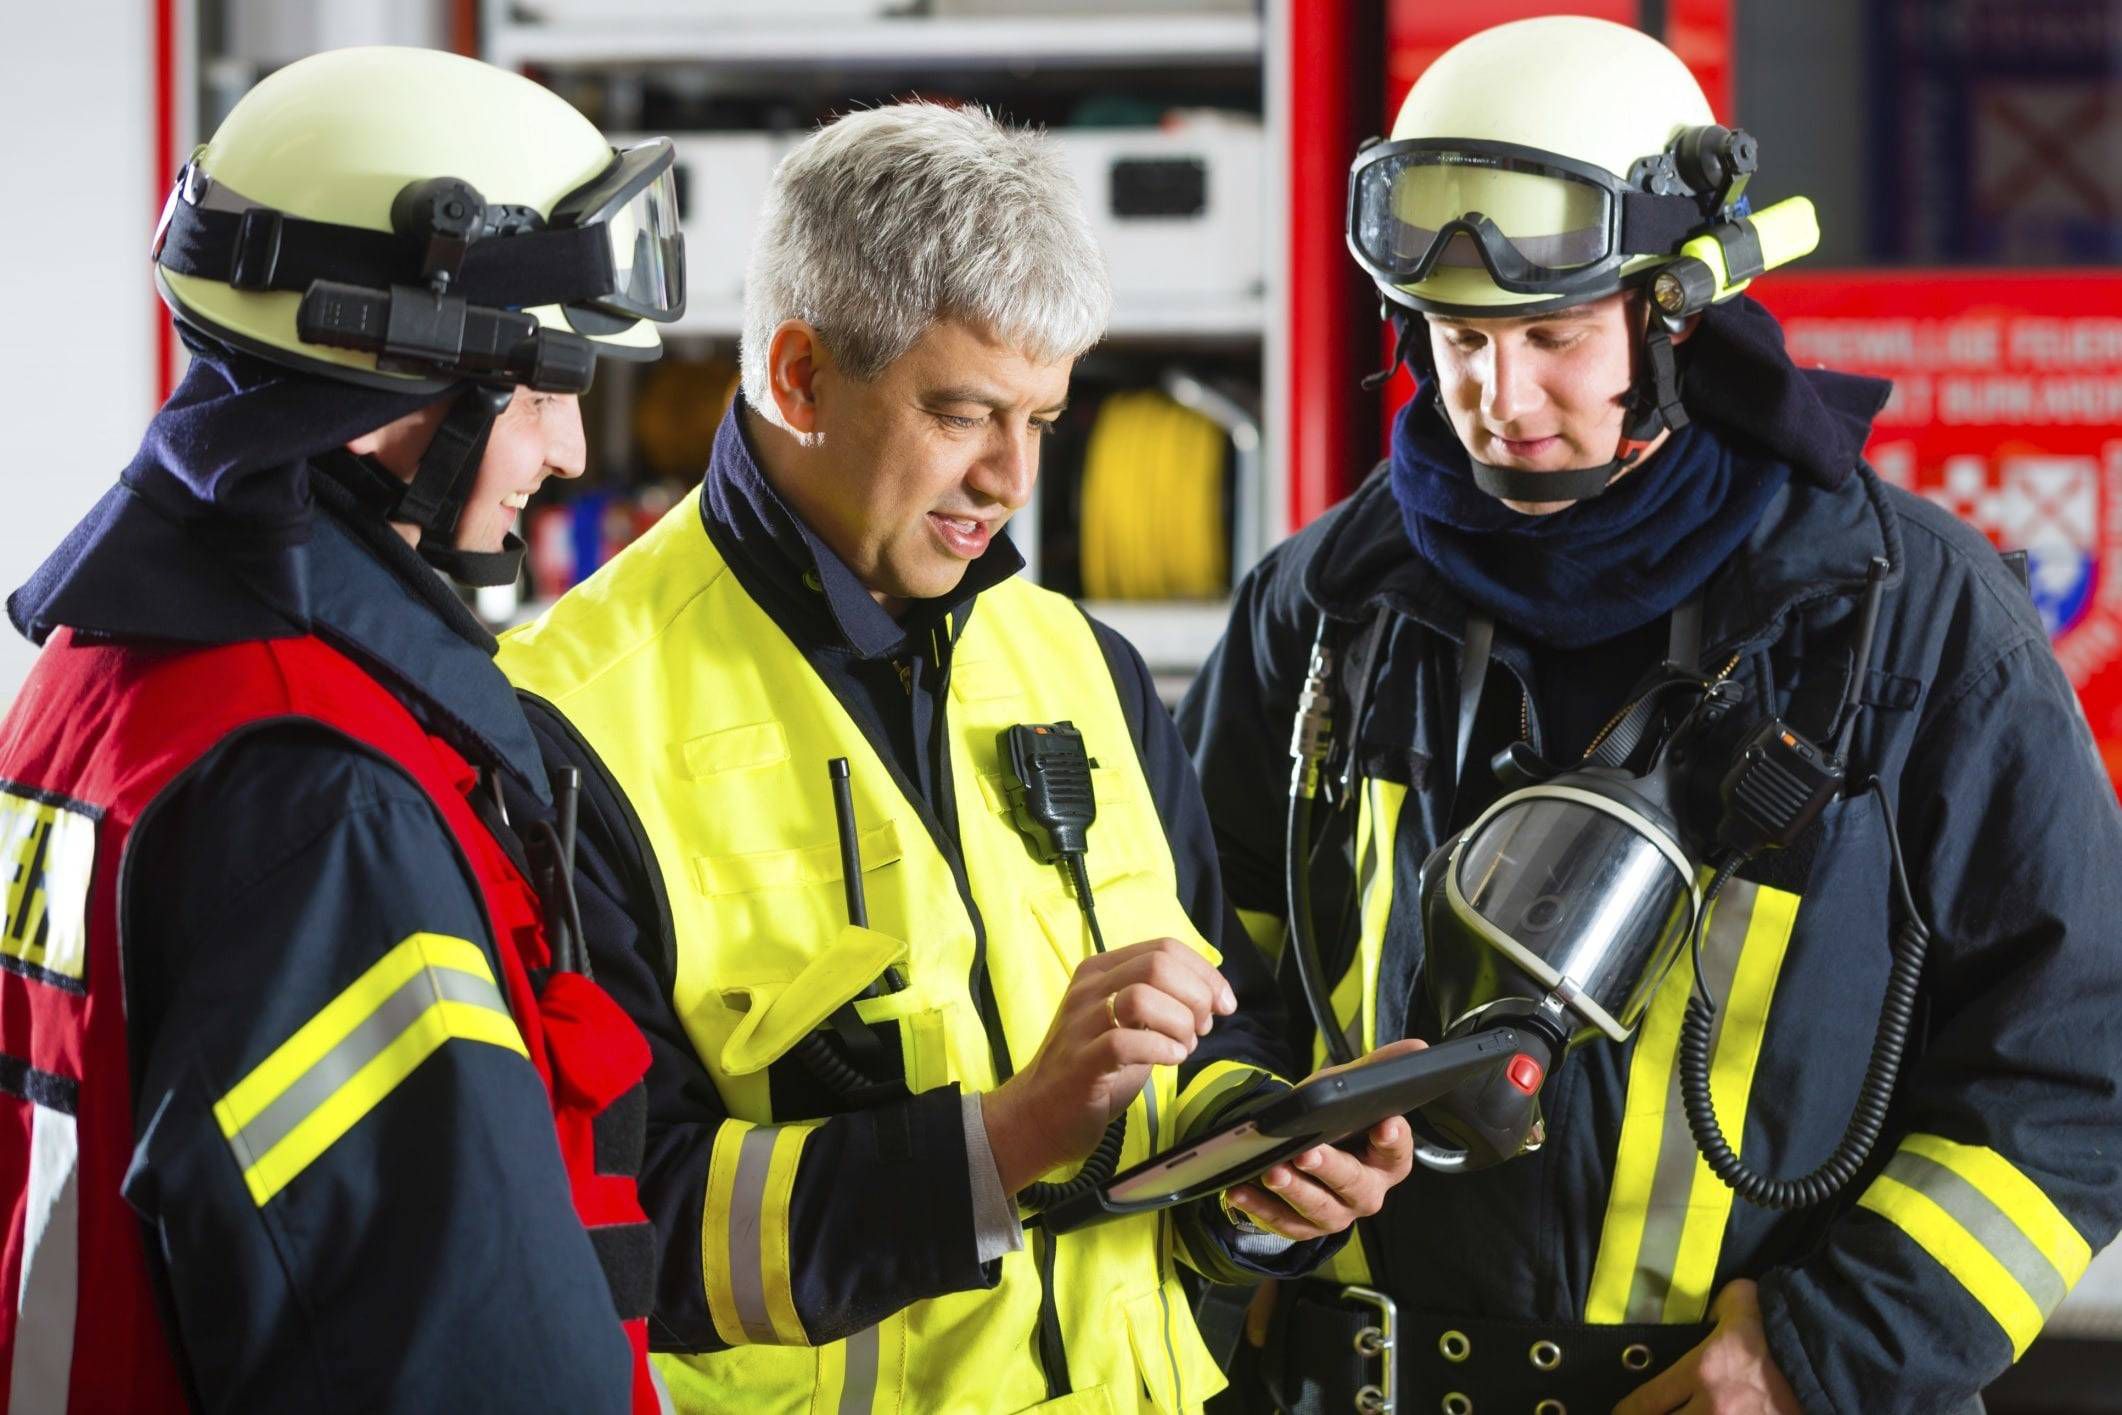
x,y
1376,1343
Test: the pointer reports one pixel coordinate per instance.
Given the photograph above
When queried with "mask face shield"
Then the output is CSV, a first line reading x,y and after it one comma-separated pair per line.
x,y
634,202
1538,223
1564,891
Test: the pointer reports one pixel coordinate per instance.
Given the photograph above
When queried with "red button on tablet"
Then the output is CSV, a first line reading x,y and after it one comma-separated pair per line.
x,y
1524,1073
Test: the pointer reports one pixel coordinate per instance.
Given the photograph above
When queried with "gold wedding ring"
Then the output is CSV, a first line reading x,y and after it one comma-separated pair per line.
x,y
1112,1008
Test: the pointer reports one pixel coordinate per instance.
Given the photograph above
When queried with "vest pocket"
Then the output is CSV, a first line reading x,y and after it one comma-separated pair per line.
x,y
782,869
780,1013
734,749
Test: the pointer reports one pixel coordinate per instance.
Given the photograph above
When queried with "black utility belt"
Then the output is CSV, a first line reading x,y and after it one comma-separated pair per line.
x,y
1338,1342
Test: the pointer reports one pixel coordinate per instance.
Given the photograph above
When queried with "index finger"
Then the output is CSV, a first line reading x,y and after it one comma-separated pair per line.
x,y
1179,965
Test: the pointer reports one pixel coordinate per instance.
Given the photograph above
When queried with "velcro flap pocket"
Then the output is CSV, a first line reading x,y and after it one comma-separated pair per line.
x,y
779,869
734,749
777,1015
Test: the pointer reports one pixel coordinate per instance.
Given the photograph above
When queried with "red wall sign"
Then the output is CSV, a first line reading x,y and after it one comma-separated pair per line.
x,y
2007,410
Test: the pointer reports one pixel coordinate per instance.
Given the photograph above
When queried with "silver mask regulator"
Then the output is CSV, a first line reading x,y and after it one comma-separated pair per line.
x,y
1558,912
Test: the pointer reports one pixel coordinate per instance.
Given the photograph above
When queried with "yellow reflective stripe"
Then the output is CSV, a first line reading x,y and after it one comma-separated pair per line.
x,y
1988,1225
730,1139
1269,932
1959,1253
1207,1088
1743,1023
1355,997
1353,1002
775,1262
1666,1213
339,1065
1378,825
745,1261
2021,1200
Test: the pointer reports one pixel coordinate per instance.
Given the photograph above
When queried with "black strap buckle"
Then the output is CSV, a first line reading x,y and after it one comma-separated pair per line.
x,y
257,249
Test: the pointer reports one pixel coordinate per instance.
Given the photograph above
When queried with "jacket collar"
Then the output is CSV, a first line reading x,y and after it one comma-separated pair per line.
x,y
1813,543
371,596
810,591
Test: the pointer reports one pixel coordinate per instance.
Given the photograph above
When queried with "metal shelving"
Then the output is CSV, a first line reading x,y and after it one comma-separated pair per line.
x,y
641,42
942,43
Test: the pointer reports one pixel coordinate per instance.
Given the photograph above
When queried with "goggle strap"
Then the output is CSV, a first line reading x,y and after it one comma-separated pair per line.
x,y
263,249
1658,225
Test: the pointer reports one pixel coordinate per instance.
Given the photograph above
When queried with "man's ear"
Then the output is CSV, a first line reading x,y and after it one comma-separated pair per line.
x,y
793,358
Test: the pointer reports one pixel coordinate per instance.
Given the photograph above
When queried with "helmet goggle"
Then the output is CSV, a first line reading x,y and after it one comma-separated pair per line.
x,y
609,254
1539,223
634,203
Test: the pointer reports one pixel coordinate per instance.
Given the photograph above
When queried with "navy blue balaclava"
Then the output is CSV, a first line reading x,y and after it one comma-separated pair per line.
x,y
1617,561
217,500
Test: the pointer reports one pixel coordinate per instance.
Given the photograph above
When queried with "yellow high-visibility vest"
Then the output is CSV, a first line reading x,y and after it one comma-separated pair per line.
x,y
718,730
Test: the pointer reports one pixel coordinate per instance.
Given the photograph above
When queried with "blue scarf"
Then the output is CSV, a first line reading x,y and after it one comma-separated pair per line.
x,y
1598,569
1622,559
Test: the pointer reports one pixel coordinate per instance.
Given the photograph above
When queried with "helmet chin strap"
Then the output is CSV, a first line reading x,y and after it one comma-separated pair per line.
x,y
1653,406
434,499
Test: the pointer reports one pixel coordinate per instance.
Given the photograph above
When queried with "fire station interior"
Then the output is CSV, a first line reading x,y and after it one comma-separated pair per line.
x,y
1964,158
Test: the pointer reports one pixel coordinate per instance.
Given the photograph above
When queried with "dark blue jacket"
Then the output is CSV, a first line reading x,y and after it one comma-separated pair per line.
x,y
2005,1123
430,1258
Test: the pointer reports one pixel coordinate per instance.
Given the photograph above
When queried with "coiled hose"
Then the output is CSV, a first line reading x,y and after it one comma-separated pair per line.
x,y
1896,1015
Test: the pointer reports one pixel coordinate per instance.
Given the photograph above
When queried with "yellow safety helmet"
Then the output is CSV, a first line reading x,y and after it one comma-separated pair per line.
x,y
413,218
1548,162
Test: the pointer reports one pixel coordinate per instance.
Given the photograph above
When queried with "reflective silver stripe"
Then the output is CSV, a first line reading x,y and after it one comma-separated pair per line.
x,y
1672,1181
1149,1098
663,1400
357,1049
858,1387
50,1291
747,1261
1987,1224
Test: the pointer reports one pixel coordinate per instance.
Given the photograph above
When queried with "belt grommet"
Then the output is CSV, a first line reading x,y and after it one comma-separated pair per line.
x,y
1454,1347
1457,1403
1371,1401
1545,1356
1550,1407
1636,1356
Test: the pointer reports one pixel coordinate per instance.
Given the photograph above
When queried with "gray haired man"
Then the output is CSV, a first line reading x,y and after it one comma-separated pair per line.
x,y
852,1077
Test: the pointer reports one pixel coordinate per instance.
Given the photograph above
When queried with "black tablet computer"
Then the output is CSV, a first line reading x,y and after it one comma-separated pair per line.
x,y
1320,1110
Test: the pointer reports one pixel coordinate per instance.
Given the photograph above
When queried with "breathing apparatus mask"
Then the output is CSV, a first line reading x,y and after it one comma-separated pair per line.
x,y
1560,910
